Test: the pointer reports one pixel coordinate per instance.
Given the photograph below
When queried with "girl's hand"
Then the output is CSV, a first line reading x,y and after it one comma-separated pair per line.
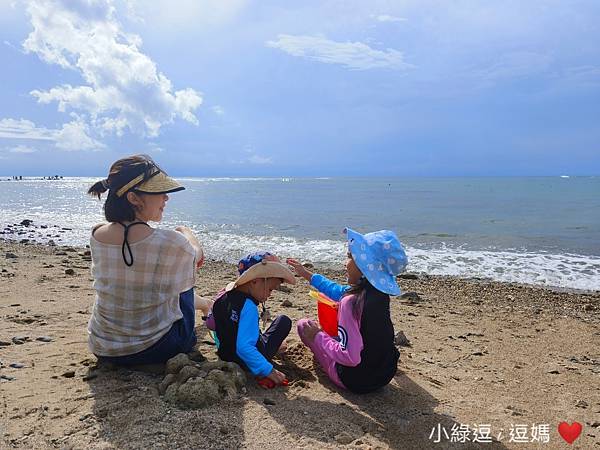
x,y
310,330
300,269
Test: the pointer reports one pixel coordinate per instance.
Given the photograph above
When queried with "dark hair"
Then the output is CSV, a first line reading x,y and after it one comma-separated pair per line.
x,y
119,209
359,291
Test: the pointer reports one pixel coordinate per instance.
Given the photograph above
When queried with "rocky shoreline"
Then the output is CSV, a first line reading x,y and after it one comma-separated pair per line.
x,y
472,351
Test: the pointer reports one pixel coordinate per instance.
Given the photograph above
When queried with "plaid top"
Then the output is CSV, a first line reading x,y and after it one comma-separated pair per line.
x,y
135,306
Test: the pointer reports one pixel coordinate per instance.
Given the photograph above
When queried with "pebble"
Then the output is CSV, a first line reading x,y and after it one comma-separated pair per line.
x,y
286,303
11,255
44,339
408,276
343,438
69,374
20,340
17,365
581,404
69,272
4,343
401,340
268,401
412,296
6,378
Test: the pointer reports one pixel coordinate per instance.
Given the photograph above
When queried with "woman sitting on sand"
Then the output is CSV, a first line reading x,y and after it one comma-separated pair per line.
x,y
144,277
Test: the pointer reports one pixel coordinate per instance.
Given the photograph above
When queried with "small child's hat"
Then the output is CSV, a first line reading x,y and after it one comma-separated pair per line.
x,y
261,265
379,256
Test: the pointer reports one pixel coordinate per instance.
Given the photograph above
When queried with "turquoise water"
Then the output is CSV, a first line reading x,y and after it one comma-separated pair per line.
x,y
535,230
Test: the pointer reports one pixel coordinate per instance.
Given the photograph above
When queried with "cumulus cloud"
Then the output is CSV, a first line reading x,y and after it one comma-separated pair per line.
x,y
351,55
124,89
72,136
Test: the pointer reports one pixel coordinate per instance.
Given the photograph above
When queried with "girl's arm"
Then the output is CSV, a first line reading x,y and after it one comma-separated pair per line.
x,y
347,350
328,287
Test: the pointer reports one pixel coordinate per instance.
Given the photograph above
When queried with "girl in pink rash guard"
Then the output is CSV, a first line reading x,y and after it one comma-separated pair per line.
x,y
363,358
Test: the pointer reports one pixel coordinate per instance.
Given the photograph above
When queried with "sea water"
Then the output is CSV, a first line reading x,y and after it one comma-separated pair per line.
x,y
538,230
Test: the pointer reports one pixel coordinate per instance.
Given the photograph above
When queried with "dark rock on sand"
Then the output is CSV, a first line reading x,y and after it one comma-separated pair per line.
x,y
10,255
268,401
286,303
411,296
408,276
17,365
44,339
69,272
26,222
192,385
68,374
401,340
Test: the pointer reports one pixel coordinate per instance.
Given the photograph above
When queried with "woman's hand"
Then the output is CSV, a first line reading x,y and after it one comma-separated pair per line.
x,y
300,270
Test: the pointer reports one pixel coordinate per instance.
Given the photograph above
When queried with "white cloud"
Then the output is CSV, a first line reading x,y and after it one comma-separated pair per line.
x,y
218,110
72,136
388,18
24,129
22,149
352,55
124,89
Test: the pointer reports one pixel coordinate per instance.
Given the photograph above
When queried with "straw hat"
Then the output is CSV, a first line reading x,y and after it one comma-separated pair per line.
x,y
157,183
261,265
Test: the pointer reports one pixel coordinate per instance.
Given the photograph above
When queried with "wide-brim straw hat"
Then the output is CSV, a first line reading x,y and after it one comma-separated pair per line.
x,y
157,183
263,269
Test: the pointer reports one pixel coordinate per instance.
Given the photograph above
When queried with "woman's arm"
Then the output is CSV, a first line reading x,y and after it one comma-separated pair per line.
x,y
193,240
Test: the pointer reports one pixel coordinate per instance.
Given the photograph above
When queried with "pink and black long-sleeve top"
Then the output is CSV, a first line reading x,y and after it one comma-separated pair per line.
x,y
365,355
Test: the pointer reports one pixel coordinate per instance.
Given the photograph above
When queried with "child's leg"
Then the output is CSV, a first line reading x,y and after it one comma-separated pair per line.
x,y
270,341
324,360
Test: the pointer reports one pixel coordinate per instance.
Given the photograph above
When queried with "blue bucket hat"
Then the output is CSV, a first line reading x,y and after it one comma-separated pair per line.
x,y
379,256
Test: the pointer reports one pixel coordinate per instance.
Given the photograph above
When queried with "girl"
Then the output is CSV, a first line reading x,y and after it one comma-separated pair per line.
x,y
144,277
363,358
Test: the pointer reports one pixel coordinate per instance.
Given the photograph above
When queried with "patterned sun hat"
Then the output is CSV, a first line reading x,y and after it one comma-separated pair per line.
x,y
379,256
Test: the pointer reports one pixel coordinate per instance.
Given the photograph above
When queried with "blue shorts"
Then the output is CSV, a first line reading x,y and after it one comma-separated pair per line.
x,y
180,338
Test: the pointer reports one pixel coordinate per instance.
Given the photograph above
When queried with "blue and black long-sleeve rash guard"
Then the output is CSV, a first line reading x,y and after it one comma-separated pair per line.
x,y
248,334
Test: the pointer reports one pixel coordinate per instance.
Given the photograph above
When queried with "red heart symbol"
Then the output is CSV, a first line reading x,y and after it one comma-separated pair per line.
x,y
569,432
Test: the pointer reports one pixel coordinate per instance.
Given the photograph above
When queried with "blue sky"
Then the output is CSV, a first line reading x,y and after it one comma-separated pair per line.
x,y
312,88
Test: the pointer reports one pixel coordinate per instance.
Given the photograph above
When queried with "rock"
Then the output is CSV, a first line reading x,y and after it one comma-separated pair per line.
x,y
197,393
411,296
401,340
553,371
10,255
582,404
286,303
69,272
268,401
44,339
177,362
186,373
16,365
477,353
343,438
595,424
4,343
196,356
20,340
68,374
26,222
408,276
166,382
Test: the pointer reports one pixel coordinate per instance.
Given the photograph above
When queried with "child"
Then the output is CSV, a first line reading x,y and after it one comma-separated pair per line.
x,y
364,357
235,315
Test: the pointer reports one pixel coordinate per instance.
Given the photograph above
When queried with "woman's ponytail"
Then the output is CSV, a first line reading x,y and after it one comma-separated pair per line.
x,y
98,188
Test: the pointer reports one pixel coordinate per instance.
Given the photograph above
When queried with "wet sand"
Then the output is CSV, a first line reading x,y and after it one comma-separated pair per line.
x,y
481,353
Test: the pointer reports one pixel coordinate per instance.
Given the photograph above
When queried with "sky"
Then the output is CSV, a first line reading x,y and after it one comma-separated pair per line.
x,y
311,88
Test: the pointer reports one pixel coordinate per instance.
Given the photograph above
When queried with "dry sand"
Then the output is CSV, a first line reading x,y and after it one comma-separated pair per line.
x,y
482,353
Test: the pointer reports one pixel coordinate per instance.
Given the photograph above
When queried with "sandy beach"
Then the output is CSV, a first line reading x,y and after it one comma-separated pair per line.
x,y
481,354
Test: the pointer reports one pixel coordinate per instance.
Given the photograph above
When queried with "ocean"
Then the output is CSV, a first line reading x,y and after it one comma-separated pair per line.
x,y
535,230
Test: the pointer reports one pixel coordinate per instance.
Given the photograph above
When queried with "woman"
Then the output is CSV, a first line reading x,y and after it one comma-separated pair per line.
x,y
144,277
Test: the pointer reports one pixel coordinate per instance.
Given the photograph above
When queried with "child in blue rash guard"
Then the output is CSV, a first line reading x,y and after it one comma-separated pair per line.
x,y
236,318
362,358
